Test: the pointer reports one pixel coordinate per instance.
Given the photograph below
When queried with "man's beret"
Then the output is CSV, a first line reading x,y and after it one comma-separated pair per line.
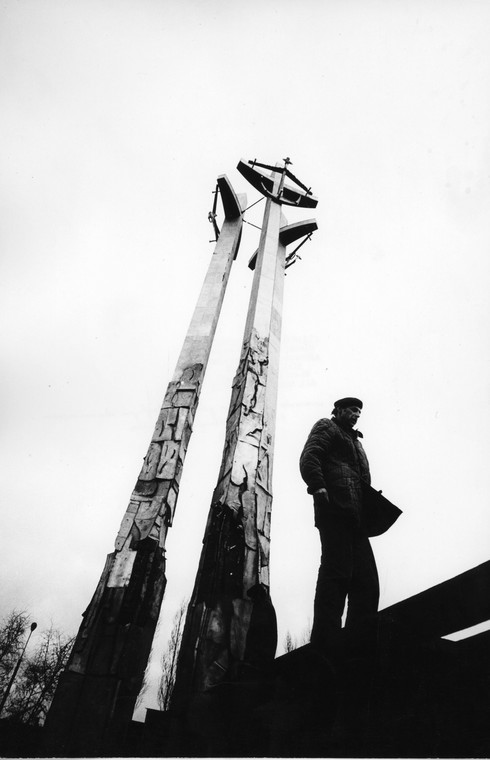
x,y
343,403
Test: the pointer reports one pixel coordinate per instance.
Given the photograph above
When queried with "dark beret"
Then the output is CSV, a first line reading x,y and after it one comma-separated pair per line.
x,y
343,403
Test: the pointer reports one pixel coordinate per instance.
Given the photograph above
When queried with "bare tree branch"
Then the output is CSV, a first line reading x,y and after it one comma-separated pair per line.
x,y
12,630
34,687
290,644
169,658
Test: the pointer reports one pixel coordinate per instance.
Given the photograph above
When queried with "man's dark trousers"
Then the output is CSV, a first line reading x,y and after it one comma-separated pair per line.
x,y
347,570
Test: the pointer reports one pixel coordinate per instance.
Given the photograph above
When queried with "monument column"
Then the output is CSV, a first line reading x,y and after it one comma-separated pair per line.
x,y
230,626
97,692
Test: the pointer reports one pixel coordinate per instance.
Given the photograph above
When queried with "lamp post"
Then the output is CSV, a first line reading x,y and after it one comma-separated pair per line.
x,y
16,669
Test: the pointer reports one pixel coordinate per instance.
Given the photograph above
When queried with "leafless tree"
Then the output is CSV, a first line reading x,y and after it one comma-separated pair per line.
x,y
305,635
35,683
169,658
290,644
12,630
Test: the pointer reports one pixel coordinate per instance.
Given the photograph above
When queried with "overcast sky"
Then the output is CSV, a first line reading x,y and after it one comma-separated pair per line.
x,y
117,117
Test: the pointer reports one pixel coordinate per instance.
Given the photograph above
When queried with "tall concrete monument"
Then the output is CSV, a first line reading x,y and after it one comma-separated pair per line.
x,y
96,695
231,626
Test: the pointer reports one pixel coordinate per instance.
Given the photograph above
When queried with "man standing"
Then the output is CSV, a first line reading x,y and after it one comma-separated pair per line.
x,y
334,466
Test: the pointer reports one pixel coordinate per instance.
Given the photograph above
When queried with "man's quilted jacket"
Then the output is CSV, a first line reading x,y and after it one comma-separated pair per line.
x,y
333,458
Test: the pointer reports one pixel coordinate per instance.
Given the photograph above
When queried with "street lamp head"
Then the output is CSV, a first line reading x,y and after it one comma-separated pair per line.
x,y
33,626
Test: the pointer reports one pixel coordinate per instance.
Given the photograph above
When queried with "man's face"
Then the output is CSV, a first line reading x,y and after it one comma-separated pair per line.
x,y
349,415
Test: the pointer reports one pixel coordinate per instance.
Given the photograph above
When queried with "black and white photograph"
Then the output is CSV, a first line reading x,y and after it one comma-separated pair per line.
x,y
245,386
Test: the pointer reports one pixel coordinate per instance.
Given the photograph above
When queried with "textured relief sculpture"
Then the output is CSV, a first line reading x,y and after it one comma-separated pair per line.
x,y
231,625
96,696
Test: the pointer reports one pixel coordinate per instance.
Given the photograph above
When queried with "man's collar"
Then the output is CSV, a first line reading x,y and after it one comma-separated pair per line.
x,y
347,429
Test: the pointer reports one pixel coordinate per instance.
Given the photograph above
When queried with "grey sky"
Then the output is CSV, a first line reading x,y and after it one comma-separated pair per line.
x,y
117,117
